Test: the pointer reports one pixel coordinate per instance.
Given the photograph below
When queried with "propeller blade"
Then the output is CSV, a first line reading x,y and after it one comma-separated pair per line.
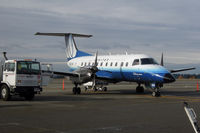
x,y
94,68
180,70
162,61
93,81
95,62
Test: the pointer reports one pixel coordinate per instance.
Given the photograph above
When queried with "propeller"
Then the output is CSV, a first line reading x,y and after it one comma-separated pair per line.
x,y
94,69
162,61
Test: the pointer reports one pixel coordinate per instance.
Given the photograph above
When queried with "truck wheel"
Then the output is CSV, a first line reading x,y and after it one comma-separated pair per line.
x,y
5,93
30,96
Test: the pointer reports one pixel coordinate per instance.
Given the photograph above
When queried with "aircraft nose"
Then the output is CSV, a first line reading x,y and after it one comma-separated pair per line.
x,y
168,78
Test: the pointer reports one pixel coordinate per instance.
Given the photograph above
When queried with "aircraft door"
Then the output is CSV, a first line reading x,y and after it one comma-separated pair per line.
x,y
136,70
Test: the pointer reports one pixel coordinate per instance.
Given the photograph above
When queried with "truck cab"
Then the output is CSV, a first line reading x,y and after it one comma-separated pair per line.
x,y
20,77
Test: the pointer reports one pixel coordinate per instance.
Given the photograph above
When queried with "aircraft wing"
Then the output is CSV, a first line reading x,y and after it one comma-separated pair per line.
x,y
180,70
64,73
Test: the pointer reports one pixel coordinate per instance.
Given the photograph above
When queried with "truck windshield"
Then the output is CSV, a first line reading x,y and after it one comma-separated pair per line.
x,y
28,67
147,61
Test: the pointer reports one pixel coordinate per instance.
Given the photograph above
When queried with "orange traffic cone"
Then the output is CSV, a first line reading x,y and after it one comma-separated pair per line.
x,y
197,86
63,85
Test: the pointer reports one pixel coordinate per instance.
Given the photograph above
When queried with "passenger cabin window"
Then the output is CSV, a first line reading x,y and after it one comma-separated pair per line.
x,y
81,63
85,63
126,64
122,64
116,64
111,64
136,62
101,64
148,61
89,64
106,63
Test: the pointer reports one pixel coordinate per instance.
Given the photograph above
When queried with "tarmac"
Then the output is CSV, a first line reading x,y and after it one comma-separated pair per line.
x,y
119,110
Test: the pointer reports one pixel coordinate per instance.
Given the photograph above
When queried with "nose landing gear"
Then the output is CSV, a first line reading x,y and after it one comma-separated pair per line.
x,y
156,90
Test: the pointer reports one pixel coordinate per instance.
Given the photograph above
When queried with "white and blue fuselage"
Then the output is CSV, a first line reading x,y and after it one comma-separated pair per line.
x,y
138,68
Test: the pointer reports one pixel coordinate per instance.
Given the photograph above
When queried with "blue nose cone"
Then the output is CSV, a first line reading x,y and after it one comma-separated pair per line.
x,y
169,78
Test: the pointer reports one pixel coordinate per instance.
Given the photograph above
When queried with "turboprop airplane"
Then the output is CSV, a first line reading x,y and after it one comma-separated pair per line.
x,y
139,68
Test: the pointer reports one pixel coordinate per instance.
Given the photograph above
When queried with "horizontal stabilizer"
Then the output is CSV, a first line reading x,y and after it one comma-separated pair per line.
x,y
180,70
63,34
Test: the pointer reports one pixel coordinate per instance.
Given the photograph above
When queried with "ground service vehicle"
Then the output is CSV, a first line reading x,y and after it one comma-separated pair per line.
x,y
20,77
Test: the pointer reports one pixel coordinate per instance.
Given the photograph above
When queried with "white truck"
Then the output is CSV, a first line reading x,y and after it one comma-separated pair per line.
x,y
20,77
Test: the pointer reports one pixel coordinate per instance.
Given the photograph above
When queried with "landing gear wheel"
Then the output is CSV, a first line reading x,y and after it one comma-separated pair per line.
x,y
76,90
105,88
139,89
5,93
156,94
95,88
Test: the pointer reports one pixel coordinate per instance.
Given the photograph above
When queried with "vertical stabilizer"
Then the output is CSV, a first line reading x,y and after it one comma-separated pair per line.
x,y
71,48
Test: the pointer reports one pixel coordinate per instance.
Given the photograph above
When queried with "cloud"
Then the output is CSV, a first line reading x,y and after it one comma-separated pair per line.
x,y
149,27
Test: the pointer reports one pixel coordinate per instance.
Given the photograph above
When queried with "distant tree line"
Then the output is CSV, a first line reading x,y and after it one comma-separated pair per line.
x,y
187,76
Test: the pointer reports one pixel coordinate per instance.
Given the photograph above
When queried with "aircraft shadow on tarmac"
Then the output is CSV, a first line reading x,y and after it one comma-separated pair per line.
x,y
147,92
90,96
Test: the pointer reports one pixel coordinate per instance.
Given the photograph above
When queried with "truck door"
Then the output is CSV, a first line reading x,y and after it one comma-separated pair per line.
x,y
9,73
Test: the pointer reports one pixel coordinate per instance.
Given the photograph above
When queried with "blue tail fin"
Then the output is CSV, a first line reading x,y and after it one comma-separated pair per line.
x,y
71,48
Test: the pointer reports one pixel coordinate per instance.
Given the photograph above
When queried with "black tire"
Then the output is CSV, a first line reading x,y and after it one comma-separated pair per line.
x,y
139,89
29,96
5,93
156,94
105,89
95,88
78,90
74,90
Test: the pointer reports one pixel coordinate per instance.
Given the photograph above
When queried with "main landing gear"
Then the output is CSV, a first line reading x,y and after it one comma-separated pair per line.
x,y
76,90
139,89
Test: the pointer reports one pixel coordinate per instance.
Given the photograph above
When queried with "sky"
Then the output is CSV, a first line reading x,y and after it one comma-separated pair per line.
x,y
149,27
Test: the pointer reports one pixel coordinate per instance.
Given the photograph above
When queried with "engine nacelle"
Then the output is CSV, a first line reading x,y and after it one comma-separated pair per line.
x,y
85,75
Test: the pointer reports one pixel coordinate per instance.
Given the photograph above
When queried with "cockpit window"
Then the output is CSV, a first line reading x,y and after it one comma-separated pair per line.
x,y
147,61
136,62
